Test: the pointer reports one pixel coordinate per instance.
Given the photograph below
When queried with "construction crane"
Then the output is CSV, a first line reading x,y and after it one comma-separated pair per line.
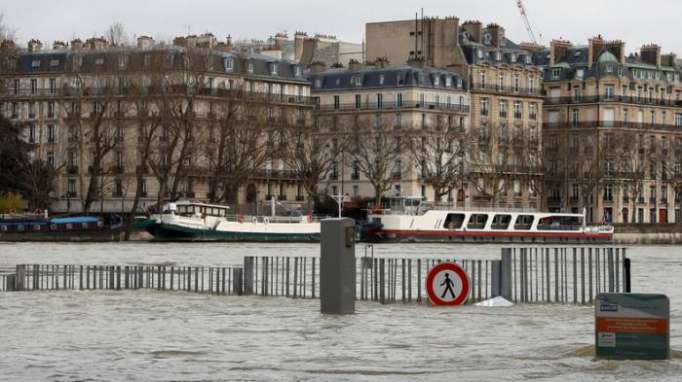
x,y
524,14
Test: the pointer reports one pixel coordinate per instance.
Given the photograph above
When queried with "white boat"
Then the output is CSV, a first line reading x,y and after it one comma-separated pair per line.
x,y
187,220
408,219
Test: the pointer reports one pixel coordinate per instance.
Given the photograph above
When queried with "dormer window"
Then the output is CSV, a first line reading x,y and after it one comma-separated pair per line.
x,y
228,63
356,80
318,83
273,69
579,74
448,81
529,60
436,80
35,64
381,79
122,61
147,60
556,73
498,56
54,63
99,61
297,71
512,58
480,53
249,67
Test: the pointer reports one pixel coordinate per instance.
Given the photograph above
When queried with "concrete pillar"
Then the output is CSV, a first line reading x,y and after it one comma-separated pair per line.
x,y
337,266
21,277
10,283
248,275
506,274
495,278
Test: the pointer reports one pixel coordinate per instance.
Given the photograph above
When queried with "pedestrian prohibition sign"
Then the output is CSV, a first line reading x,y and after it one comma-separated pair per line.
x,y
447,284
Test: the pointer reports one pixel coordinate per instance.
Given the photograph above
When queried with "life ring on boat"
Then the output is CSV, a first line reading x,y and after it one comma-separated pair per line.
x,y
266,220
254,220
240,218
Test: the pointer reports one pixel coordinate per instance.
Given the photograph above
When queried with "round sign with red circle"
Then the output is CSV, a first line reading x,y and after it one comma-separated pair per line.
x,y
447,284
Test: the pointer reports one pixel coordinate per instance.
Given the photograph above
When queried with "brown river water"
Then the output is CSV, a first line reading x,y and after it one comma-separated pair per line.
x,y
155,336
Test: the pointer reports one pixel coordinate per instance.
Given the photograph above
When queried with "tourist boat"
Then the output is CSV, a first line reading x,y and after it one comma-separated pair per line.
x,y
408,219
187,220
41,227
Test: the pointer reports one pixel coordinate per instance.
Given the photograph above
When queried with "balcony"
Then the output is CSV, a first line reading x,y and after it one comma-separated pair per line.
x,y
497,89
300,198
611,124
396,106
282,197
611,99
652,200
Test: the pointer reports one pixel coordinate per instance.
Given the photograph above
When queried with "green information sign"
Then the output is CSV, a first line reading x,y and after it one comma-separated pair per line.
x,y
632,326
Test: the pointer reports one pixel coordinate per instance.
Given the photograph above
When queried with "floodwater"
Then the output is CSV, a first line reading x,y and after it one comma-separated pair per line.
x,y
149,335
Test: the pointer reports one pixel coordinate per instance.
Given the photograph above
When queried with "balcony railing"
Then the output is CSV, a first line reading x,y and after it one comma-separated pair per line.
x,y
614,124
180,89
611,99
493,88
396,106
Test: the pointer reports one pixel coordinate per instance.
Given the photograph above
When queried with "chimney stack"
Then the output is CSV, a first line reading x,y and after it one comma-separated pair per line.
x,y
34,45
651,54
58,45
558,51
318,66
145,42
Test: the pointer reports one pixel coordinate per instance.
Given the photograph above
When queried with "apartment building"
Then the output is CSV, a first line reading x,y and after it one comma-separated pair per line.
x,y
505,85
613,132
86,106
402,101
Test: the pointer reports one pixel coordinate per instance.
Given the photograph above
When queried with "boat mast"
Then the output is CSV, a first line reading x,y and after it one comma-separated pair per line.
x,y
273,201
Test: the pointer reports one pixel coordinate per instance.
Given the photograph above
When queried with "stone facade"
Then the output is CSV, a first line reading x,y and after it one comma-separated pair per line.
x,y
58,95
613,132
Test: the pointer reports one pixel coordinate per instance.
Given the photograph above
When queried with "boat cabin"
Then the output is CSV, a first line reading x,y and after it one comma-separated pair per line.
x,y
196,209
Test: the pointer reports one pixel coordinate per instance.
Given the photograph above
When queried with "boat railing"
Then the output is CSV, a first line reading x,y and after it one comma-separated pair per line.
x,y
422,210
559,227
273,219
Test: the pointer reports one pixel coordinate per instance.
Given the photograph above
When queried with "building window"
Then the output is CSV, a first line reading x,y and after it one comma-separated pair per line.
x,y
50,109
608,92
398,120
482,80
517,83
400,100
381,79
503,109
575,117
228,64
53,85
50,158
32,133
485,106
380,100
71,187
34,86
249,67
518,110
556,73
533,111
16,86
358,101
50,133
337,103
273,69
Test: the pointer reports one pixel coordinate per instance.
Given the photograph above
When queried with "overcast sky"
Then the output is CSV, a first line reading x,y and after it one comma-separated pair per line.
x,y
634,21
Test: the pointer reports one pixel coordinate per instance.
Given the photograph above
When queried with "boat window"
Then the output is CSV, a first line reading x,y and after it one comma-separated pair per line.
x,y
182,210
3,228
69,226
524,222
84,225
36,227
454,221
20,227
560,223
477,221
501,222
53,227
223,212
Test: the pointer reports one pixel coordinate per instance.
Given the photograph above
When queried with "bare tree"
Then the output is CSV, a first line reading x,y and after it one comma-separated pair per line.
x,y
377,149
490,170
311,156
245,143
116,35
439,154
